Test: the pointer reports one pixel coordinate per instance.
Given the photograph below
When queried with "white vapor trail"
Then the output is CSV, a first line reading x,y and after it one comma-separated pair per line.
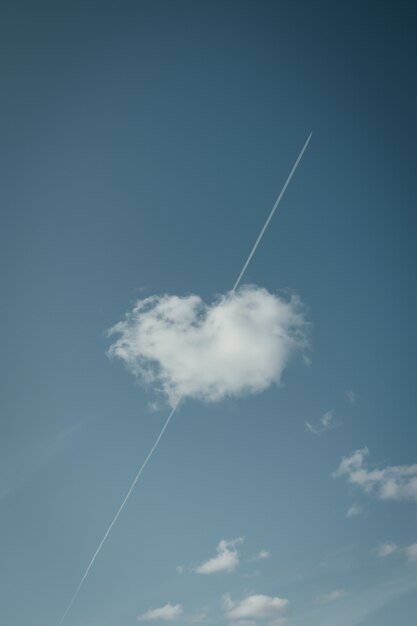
x,y
120,509
270,216
164,427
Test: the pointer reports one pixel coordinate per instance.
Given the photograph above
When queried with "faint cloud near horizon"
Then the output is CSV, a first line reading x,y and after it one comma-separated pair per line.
x,y
326,422
386,549
354,510
262,555
389,547
332,596
411,552
352,396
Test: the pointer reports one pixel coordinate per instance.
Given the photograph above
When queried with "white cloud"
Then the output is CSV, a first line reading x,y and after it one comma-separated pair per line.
x,y
326,422
261,555
385,549
226,560
241,343
166,613
333,596
396,482
255,607
411,552
354,510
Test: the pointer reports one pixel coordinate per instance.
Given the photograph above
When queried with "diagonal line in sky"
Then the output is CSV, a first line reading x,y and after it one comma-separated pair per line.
x,y
270,216
164,427
120,509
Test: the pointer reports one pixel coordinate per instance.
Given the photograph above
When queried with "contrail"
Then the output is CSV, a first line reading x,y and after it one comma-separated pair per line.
x,y
121,507
164,427
274,208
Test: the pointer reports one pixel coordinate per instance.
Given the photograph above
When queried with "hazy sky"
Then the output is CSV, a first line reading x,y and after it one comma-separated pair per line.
x,y
143,146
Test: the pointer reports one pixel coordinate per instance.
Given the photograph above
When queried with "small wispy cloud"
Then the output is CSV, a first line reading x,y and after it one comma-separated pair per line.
x,y
396,482
333,596
385,549
255,607
226,559
166,613
354,510
246,336
326,422
262,555
411,552
352,396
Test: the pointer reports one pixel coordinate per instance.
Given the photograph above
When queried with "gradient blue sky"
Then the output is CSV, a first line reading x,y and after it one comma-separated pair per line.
x,y
143,145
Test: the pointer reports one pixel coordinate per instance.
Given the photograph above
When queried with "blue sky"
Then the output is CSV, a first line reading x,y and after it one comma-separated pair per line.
x,y
144,144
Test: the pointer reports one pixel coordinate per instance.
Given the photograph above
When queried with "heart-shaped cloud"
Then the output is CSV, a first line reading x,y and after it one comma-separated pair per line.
x,y
239,344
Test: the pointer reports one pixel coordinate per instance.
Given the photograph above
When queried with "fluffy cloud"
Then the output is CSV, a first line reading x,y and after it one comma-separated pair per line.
x,y
333,596
226,560
396,482
385,549
326,422
255,607
165,613
185,348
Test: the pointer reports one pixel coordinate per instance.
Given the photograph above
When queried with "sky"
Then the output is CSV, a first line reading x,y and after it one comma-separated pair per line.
x,y
143,146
